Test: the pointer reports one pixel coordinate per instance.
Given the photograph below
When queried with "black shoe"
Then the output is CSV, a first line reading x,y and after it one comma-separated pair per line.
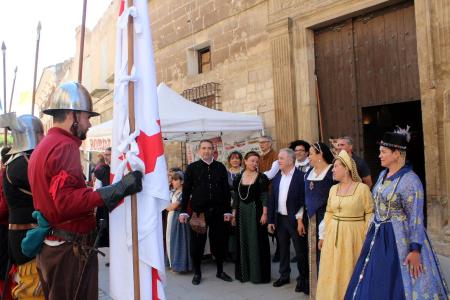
x,y
276,258
281,282
196,279
224,277
294,259
302,287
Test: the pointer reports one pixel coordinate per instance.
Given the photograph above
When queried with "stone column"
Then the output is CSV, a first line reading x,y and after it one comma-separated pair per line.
x,y
433,32
280,34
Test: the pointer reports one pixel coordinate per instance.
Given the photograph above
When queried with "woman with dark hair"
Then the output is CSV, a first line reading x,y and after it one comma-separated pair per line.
x,y
250,216
397,253
318,182
234,166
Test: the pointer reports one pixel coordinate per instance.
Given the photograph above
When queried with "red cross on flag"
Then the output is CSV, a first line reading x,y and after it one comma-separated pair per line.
x,y
142,150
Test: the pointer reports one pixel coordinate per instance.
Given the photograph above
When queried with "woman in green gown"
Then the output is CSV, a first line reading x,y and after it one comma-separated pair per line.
x,y
250,217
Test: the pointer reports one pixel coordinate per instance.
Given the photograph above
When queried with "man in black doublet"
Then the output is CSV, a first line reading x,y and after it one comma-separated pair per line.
x,y
206,190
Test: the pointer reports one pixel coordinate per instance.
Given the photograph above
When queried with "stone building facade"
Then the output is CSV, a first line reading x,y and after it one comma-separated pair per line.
x,y
262,56
291,33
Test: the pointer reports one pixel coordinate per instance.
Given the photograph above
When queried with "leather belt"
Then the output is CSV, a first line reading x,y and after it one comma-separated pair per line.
x,y
22,226
69,236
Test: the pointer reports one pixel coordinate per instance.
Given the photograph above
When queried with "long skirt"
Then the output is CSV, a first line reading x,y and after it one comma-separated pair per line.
x,y
180,258
380,273
253,249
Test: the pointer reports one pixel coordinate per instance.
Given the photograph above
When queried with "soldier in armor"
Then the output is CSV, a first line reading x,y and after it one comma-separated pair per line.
x,y
66,263
27,131
4,258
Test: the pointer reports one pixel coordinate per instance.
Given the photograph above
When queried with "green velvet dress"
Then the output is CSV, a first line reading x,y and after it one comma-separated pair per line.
x,y
253,251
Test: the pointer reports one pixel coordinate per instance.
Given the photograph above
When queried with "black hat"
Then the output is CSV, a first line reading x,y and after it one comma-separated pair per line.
x,y
398,139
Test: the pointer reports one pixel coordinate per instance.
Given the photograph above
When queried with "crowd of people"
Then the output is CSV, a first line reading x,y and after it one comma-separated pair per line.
x,y
346,234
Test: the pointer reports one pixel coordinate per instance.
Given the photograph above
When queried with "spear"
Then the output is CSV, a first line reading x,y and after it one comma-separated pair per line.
x,y
83,29
131,117
5,142
12,91
38,38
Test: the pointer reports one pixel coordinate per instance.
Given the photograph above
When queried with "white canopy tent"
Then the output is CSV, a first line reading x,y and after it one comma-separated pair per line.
x,y
184,120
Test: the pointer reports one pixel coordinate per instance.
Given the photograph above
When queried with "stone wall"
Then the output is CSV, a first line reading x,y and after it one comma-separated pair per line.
x,y
433,33
240,50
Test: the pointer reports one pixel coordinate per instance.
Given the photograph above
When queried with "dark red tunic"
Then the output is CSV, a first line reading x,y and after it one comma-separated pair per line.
x,y
58,186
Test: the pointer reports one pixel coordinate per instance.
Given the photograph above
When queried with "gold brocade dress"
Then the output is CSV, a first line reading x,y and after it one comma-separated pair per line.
x,y
346,222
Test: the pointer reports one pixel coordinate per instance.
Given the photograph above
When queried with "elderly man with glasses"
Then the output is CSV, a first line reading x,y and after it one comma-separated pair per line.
x,y
268,155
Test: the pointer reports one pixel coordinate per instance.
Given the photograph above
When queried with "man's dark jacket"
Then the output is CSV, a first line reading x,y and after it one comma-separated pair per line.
x,y
295,197
206,188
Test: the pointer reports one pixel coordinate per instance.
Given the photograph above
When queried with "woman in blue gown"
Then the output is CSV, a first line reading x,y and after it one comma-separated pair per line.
x,y
397,260
318,182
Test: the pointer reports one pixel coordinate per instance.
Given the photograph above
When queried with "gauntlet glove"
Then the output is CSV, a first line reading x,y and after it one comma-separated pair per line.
x,y
114,193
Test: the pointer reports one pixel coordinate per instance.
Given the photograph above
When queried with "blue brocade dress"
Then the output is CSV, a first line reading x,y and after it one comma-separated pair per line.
x,y
396,230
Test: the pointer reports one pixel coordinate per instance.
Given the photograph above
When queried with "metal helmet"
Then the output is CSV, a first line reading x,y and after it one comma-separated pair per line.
x,y
71,96
25,131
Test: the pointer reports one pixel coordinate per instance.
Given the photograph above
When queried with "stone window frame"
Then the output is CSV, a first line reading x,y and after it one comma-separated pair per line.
x,y
193,58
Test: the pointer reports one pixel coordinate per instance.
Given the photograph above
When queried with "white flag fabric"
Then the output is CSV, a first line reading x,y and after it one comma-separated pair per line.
x,y
139,150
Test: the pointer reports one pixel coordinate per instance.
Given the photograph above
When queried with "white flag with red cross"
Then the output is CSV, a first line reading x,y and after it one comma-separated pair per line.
x,y
140,150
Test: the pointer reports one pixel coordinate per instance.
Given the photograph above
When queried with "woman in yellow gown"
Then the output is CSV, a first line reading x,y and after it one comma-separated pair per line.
x,y
349,212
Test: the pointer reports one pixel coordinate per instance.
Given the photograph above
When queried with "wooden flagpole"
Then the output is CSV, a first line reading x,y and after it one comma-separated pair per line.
x,y
36,56
12,90
134,223
83,29
319,110
5,141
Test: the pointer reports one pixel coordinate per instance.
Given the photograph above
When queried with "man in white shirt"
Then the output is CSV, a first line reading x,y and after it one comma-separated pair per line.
x,y
301,150
285,212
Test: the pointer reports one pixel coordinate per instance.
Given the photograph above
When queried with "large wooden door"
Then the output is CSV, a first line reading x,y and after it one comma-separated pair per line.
x,y
365,61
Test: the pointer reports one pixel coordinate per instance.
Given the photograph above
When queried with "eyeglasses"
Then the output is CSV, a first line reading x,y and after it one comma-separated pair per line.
x,y
300,150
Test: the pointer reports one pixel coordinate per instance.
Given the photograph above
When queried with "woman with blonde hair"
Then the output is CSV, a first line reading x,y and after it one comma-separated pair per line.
x,y
349,211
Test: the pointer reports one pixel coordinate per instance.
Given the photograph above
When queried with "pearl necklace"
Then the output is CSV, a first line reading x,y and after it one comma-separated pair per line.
x,y
248,188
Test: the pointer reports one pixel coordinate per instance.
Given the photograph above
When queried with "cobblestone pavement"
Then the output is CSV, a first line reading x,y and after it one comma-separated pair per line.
x,y
179,286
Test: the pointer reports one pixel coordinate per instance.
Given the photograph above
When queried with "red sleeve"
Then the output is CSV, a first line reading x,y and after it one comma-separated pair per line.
x,y
68,190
